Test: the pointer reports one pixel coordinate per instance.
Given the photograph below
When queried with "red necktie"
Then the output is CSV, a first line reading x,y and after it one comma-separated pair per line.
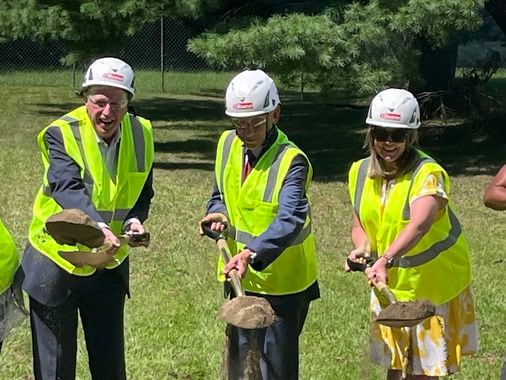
x,y
248,164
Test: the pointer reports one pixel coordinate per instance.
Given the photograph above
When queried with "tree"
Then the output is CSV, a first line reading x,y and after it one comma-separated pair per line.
x,y
497,9
361,46
89,26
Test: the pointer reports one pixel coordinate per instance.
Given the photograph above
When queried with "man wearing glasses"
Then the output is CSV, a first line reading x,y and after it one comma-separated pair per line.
x,y
260,197
97,158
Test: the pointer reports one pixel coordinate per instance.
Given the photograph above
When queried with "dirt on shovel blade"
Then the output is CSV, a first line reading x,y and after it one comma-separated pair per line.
x,y
71,226
406,314
247,312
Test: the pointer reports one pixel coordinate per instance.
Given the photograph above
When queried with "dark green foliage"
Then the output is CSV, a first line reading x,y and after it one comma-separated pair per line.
x,y
88,26
361,47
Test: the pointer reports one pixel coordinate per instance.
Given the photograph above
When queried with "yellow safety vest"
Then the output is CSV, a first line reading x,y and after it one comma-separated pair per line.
x,y
438,267
8,258
253,205
112,199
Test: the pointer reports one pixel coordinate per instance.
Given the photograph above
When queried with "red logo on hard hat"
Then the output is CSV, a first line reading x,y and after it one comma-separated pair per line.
x,y
390,116
243,106
114,76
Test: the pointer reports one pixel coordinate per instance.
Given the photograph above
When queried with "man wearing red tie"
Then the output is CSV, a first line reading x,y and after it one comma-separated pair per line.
x,y
260,196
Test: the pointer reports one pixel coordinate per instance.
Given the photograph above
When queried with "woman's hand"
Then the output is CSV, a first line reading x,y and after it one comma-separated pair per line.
x,y
378,271
358,256
361,242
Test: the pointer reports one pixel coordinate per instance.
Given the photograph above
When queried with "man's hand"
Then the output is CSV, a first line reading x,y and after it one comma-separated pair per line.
x,y
111,241
239,262
216,221
135,228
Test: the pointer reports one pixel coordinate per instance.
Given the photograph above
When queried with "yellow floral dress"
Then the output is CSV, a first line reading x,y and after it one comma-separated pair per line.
x,y
435,346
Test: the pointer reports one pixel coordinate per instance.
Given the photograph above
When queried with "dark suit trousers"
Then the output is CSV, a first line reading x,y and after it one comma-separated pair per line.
x,y
99,299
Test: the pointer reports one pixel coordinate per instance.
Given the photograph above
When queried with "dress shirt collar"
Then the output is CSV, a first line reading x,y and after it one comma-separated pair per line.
x,y
270,138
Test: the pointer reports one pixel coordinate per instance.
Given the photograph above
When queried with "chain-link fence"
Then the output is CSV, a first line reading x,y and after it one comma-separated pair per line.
x,y
159,45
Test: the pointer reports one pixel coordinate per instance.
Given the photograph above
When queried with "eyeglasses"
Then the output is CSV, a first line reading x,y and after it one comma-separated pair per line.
x,y
395,135
102,103
253,122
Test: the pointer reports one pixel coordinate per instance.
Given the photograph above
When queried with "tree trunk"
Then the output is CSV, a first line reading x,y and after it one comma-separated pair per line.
x,y
438,67
497,9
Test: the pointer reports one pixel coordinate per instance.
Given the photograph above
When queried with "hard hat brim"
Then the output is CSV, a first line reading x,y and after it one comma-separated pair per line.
x,y
386,124
107,84
240,115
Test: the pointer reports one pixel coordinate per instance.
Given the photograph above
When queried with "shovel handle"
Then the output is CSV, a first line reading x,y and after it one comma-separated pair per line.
x,y
215,235
140,239
235,281
383,289
221,242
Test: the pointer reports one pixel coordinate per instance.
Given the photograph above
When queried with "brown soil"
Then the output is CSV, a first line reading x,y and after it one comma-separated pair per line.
x,y
251,366
72,226
405,314
247,312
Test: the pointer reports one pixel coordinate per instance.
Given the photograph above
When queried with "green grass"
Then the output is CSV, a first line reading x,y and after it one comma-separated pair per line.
x,y
171,327
146,81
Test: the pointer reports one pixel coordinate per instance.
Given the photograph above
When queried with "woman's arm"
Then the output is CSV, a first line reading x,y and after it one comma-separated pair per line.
x,y
359,236
423,212
360,241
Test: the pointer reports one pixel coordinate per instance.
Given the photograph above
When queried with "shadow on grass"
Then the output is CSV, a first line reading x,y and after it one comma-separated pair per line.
x,y
171,109
497,86
56,110
330,134
184,166
333,136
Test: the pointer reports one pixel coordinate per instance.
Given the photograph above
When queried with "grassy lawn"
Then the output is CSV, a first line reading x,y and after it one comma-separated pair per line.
x,y
171,327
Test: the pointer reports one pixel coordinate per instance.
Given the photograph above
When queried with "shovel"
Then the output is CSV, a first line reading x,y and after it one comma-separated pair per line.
x,y
247,312
396,314
73,226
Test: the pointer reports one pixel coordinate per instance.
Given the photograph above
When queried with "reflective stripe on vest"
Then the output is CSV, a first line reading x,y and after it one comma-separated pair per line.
x,y
362,175
226,152
246,238
113,201
273,171
438,247
438,267
252,206
140,153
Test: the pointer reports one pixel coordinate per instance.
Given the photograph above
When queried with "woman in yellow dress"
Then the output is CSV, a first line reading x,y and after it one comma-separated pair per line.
x,y
402,215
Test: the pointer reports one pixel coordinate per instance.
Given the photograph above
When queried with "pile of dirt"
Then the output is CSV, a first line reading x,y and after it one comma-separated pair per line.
x,y
405,314
72,226
247,312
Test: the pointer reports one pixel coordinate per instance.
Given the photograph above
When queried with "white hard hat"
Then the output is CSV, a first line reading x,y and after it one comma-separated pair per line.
x,y
111,72
251,93
394,108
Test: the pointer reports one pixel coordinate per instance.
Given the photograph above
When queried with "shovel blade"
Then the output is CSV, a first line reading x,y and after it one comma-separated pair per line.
x,y
406,314
72,226
79,259
247,312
